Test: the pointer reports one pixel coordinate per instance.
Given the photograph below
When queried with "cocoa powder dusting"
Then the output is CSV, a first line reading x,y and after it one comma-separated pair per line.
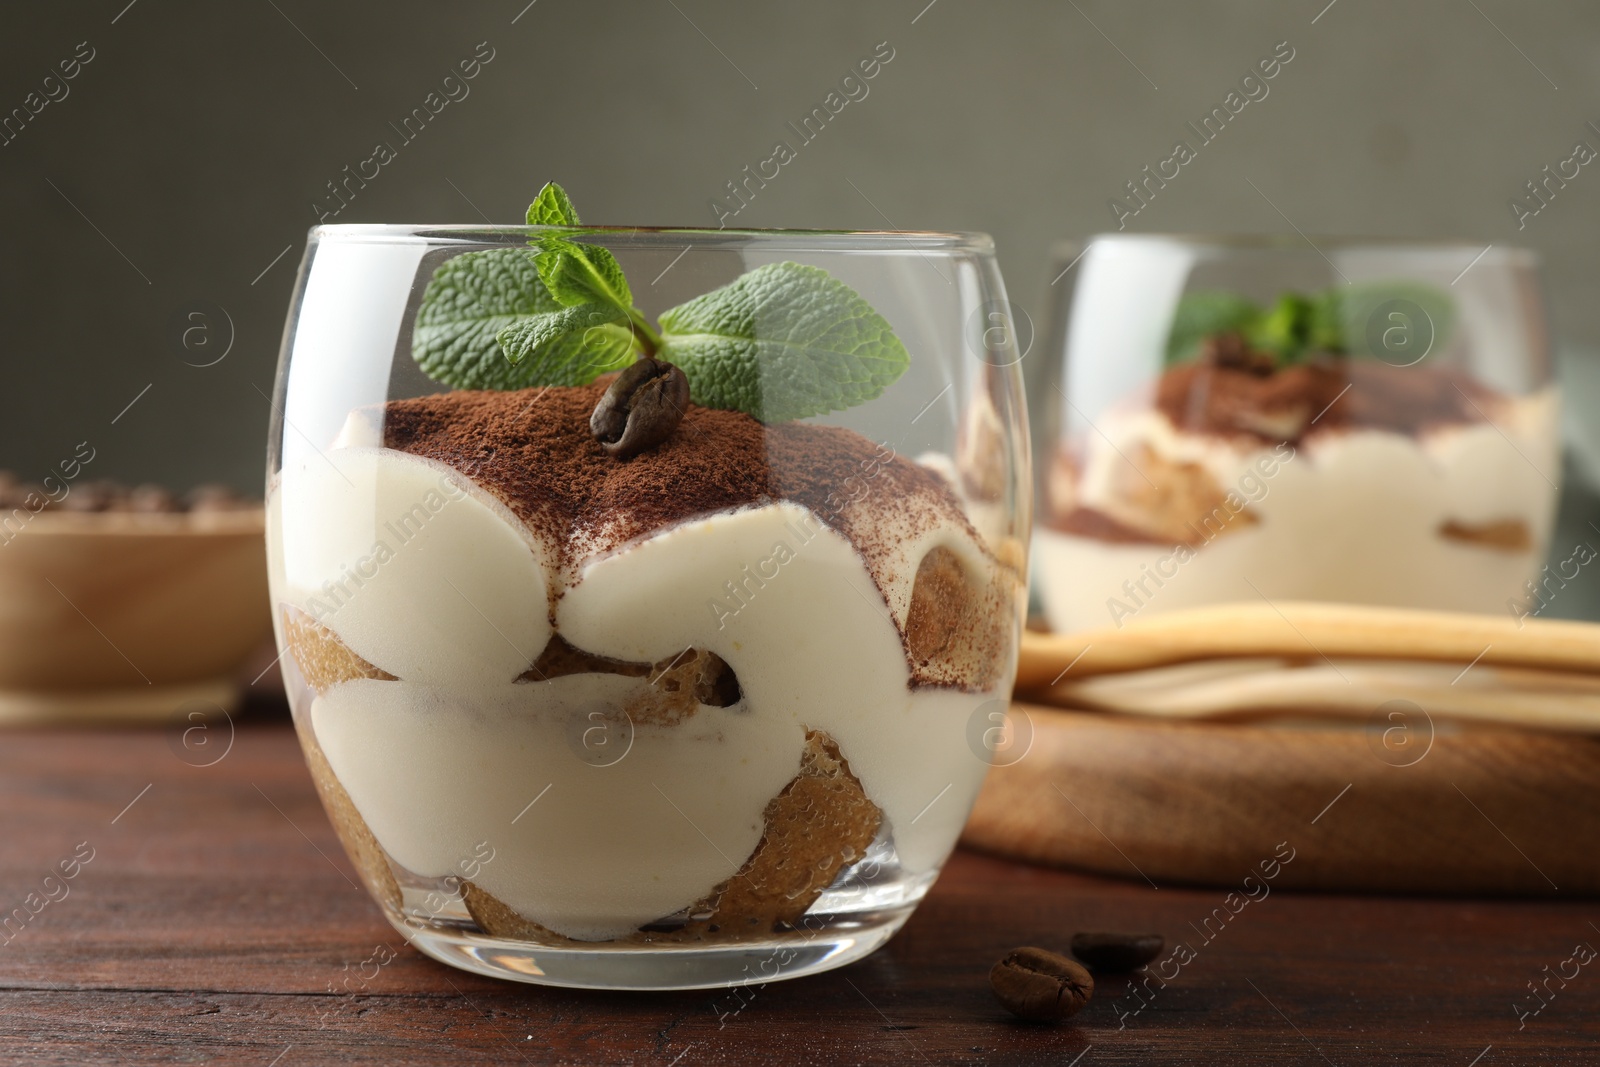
x,y
533,450
1211,396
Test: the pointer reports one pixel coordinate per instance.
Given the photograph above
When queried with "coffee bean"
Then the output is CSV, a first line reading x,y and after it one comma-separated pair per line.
x,y
88,496
154,499
1108,951
641,408
207,498
1040,986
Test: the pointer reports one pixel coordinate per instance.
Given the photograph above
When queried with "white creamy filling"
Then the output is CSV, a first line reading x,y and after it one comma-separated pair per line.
x,y
1354,516
606,848
812,646
452,753
418,570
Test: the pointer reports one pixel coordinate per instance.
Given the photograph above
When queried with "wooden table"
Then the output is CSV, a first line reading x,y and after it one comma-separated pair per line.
x,y
218,915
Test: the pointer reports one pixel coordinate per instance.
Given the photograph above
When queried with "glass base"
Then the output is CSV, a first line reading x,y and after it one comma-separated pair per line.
x,y
826,945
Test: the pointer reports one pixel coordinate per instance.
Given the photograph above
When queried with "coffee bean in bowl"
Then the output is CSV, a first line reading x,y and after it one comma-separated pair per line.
x,y
1040,986
1111,951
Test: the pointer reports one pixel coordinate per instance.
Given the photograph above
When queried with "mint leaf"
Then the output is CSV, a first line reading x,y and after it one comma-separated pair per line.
x,y
785,341
552,207
568,347
1325,328
468,301
1361,302
1202,314
475,298
1285,330
1336,321
582,274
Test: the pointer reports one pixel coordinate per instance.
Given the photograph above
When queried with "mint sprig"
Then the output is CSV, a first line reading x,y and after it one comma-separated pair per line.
x,y
1299,326
784,341
552,207
567,347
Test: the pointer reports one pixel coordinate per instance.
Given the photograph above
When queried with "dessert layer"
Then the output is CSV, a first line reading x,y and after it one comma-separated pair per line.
x,y
1453,517
1207,397
532,453
821,821
533,450
435,768
473,604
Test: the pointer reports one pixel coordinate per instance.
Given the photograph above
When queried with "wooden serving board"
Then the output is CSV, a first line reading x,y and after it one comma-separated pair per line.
x,y
1485,809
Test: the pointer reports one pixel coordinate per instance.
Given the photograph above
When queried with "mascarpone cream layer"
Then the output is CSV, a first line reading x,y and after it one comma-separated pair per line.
x,y
451,599
1353,516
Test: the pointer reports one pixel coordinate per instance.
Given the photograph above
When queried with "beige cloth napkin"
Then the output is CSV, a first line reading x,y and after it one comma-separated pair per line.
x,y
1290,659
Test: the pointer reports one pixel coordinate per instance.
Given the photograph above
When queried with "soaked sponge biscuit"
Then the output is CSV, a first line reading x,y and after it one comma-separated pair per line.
x,y
958,628
325,661
820,822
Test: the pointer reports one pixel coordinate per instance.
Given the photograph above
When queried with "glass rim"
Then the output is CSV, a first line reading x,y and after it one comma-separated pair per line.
x,y
1312,244
971,242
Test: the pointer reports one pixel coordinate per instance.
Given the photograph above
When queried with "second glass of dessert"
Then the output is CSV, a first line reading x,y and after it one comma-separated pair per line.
x,y
1234,419
638,590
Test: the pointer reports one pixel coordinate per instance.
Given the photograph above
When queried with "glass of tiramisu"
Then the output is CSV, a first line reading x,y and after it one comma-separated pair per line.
x,y
1237,419
638,590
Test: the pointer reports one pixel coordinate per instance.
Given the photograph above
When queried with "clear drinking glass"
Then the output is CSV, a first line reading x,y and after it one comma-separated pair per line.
x,y
714,714
1231,419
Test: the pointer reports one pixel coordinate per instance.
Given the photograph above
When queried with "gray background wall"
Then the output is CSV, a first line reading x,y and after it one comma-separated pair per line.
x,y
188,153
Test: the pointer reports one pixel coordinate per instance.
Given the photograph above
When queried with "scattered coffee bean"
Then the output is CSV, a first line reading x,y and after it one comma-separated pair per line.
x,y
1040,986
103,495
152,499
641,408
90,496
1109,951
214,498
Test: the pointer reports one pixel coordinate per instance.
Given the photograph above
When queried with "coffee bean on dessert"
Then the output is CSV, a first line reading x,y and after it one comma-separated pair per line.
x,y
1040,986
641,408
1109,951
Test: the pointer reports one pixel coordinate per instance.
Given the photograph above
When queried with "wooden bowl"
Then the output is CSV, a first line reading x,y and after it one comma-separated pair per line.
x,y
126,616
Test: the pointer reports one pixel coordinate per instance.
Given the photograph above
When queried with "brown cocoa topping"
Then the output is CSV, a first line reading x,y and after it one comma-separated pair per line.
x,y
533,450
1227,393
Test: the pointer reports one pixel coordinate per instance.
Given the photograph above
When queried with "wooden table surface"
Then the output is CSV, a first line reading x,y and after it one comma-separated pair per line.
x,y
218,918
